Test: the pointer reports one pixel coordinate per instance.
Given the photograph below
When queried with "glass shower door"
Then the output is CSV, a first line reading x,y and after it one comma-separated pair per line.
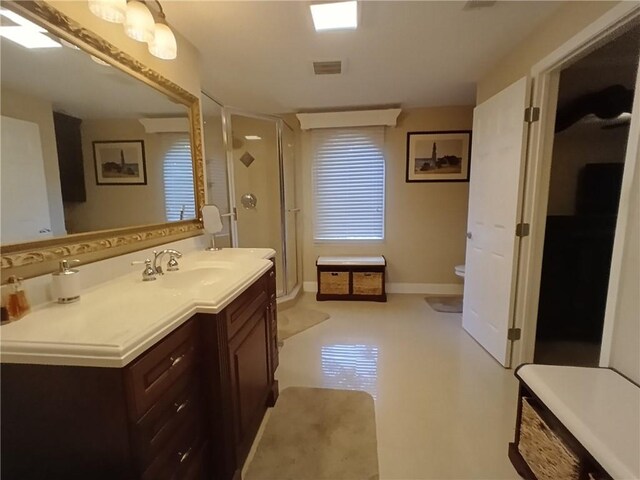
x,y
253,148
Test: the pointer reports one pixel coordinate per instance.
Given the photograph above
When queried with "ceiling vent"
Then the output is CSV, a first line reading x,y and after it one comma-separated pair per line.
x,y
327,68
473,4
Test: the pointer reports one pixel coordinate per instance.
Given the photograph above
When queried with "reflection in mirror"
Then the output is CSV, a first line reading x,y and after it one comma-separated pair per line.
x,y
85,147
216,165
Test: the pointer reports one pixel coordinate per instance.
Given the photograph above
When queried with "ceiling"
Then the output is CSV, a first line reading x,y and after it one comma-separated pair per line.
x,y
78,86
257,55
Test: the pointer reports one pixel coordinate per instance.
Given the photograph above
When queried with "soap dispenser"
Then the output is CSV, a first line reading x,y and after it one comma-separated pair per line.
x,y
66,283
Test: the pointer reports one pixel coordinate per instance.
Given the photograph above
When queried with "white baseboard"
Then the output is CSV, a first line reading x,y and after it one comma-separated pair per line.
x,y
426,288
420,288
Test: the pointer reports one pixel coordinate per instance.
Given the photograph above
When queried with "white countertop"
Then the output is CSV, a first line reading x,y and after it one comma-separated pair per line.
x,y
116,321
598,406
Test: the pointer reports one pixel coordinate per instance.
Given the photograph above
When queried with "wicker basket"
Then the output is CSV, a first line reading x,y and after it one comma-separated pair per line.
x,y
544,451
334,283
367,283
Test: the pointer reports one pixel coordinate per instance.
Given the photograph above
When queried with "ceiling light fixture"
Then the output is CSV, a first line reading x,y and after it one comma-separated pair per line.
x,y
140,24
335,16
253,137
164,43
113,11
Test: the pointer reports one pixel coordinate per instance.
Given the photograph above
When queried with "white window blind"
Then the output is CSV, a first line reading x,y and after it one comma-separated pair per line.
x,y
349,184
178,181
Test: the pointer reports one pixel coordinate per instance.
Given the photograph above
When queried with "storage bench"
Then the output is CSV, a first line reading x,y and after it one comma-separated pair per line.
x,y
351,278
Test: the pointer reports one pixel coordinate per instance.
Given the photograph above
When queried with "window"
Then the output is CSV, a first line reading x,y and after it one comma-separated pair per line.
x,y
179,197
349,184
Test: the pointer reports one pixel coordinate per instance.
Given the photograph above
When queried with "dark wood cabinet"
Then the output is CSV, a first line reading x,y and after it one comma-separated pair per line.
x,y
187,408
70,159
250,378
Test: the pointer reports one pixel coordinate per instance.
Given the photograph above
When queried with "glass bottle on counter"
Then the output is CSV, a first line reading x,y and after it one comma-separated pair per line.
x,y
17,304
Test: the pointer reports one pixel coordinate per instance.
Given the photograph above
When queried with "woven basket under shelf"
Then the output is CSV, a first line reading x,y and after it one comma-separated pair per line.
x,y
334,283
545,452
367,283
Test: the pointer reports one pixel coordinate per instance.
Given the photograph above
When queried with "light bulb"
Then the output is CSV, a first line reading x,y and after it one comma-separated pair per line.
x,y
109,10
139,23
163,44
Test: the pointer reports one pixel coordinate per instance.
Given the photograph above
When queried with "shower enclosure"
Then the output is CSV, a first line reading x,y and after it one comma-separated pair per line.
x,y
250,167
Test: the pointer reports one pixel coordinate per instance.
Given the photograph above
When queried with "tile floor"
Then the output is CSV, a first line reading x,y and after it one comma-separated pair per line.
x,y
444,408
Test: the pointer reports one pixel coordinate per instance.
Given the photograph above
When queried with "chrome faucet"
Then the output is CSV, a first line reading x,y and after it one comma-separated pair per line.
x,y
172,265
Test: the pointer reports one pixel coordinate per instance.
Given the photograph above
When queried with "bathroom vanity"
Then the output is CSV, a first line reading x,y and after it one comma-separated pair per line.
x,y
152,380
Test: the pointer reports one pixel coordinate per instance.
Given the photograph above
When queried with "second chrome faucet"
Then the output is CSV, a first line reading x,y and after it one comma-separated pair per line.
x,y
172,265
152,269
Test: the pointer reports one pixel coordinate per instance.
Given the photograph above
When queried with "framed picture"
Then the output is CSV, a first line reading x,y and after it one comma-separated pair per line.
x,y
120,162
438,156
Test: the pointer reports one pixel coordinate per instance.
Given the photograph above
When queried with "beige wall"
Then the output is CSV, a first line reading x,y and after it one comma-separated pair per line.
x,y
25,107
425,223
563,24
184,70
115,206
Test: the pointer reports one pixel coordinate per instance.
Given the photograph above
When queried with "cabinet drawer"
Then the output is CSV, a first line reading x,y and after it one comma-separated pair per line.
x,y
196,469
178,455
158,368
179,406
547,455
243,308
334,283
367,283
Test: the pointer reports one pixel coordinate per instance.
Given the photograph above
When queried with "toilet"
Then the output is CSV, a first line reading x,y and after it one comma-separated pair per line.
x,y
459,269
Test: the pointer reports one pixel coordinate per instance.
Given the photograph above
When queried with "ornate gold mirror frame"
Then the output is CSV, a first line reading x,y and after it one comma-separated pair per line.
x,y
41,257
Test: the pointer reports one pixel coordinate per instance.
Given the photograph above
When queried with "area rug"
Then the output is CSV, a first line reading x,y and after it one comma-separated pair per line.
x,y
447,304
318,434
297,319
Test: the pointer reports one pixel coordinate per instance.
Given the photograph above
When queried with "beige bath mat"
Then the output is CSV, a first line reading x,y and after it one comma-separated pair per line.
x,y
318,434
298,319
446,304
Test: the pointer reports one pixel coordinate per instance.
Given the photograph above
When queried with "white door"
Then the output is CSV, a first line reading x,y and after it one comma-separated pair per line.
x,y
495,199
23,186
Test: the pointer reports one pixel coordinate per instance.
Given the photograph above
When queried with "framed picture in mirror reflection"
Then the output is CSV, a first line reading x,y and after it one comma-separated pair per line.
x,y
120,162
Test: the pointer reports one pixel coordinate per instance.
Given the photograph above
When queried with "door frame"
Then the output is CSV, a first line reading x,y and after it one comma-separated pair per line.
x,y
546,76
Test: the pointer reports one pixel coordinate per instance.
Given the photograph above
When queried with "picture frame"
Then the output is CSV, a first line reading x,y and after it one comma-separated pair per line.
x,y
120,162
438,156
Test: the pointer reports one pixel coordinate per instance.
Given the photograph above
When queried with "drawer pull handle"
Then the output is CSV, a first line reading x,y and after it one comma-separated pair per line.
x,y
185,455
181,406
334,274
272,273
176,360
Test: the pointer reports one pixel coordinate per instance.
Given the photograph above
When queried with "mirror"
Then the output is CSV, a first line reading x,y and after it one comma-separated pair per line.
x,y
92,141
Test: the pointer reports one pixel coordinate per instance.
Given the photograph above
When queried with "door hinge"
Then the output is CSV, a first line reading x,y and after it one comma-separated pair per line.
x,y
531,114
522,230
513,334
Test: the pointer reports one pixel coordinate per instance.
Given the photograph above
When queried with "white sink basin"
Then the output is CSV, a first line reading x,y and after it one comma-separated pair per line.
x,y
202,276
